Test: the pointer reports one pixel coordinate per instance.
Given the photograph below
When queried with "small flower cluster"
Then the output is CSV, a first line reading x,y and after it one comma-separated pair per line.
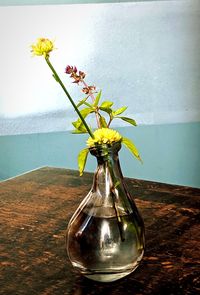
x,y
104,136
73,72
88,90
79,77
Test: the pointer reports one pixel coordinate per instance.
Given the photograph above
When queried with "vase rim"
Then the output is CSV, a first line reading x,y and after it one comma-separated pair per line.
x,y
104,149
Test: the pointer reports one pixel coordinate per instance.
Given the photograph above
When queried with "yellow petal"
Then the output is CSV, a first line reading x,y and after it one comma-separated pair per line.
x,y
104,135
42,47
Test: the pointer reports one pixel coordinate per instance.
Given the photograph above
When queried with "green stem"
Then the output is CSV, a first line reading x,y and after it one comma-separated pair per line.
x,y
113,195
68,95
110,120
93,99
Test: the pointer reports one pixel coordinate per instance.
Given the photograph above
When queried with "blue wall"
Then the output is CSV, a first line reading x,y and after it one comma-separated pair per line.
x,y
170,153
163,41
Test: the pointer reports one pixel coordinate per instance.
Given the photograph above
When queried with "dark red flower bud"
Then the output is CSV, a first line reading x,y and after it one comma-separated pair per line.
x,y
76,77
68,69
82,75
88,89
72,71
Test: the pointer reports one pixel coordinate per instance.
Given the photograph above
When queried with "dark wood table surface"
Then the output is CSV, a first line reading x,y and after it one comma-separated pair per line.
x,y
34,212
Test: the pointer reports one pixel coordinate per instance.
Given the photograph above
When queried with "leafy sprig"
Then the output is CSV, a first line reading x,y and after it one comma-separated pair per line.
x,y
94,106
100,108
91,104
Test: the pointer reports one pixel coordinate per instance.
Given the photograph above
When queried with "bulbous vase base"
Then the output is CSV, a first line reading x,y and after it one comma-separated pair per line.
x,y
112,276
109,275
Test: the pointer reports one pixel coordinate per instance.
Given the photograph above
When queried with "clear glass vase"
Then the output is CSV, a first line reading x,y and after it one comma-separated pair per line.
x,y
105,236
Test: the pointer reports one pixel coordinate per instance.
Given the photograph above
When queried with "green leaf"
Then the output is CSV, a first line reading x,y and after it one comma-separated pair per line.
x,y
107,110
82,158
86,111
119,111
77,123
106,104
88,105
130,145
97,99
129,120
103,122
81,102
80,127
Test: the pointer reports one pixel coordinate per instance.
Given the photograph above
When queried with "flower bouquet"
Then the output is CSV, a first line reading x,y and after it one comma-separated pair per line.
x,y
105,236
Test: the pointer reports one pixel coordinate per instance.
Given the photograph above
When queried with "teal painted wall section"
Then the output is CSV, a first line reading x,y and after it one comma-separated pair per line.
x,y
170,153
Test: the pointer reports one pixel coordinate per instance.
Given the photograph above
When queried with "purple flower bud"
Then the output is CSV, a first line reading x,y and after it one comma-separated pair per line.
x,y
88,89
68,69
82,74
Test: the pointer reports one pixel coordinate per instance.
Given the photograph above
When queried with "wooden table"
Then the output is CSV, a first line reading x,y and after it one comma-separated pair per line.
x,y
35,210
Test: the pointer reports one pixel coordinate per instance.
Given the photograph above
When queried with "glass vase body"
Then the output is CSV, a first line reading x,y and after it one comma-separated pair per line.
x,y
105,236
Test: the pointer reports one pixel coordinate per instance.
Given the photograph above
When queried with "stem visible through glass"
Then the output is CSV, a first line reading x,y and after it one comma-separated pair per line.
x,y
115,183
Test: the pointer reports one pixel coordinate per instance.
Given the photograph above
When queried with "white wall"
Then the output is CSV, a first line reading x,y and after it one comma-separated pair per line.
x,y
144,55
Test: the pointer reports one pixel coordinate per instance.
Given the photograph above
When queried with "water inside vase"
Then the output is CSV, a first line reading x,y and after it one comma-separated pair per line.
x,y
103,247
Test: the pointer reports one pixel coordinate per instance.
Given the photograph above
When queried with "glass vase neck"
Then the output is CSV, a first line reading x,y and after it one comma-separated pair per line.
x,y
104,152
108,169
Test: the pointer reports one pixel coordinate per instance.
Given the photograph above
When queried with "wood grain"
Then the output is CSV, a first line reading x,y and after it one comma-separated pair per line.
x,y
34,212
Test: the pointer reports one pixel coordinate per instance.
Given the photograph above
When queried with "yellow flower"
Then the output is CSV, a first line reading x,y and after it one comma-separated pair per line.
x,y
104,135
42,47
